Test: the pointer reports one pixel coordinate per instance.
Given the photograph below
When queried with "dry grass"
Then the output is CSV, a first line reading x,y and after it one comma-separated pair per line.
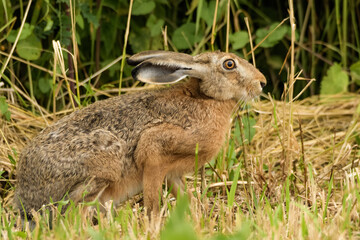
x,y
325,140
290,174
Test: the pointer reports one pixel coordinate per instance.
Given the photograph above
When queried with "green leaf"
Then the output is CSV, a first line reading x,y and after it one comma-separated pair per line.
x,y
96,234
358,111
275,61
357,139
184,36
49,23
157,43
239,39
237,132
138,41
109,30
45,85
274,38
355,72
64,33
231,194
29,48
25,33
14,152
3,105
78,38
208,11
112,4
142,7
244,233
177,227
154,25
194,4
335,81
12,160
20,234
4,108
304,227
7,115
89,16
163,2
249,130
80,21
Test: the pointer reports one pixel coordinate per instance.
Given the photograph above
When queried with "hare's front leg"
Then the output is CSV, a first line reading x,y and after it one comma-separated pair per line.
x,y
152,182
150,156
164,150
176,184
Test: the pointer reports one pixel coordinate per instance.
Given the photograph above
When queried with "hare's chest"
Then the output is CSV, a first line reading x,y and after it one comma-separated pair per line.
x,y
210,137
214,126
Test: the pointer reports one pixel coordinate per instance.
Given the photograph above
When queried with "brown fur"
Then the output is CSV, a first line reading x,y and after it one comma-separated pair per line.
x,y
118,147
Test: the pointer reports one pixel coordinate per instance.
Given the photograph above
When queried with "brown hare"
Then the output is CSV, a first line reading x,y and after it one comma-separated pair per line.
x,y
116,148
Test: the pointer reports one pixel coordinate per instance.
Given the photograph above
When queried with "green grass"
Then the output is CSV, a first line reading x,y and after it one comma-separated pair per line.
x,y
289,219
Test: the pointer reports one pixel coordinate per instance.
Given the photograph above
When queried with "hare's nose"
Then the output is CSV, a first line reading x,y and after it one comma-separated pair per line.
x,y
261,78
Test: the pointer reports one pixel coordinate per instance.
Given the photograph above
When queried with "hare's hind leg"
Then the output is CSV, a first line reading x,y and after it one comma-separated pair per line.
x,y
102,154
89,190
176,184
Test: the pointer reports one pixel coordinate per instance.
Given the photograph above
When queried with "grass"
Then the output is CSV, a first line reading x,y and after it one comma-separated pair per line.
x,y
320,205
296,177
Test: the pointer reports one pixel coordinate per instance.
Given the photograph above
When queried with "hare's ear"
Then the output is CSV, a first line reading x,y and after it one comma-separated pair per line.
x,y
146,55
161,67
155,73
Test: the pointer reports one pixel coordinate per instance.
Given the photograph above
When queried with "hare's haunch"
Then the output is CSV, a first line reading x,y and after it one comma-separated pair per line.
x,y
121,146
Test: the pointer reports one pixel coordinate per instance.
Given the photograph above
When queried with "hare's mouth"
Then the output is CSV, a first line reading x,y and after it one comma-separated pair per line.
x,y
253,94
248,97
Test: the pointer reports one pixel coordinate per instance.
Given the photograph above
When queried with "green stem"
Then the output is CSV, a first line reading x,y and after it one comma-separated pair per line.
x,y
21,9
196,165
124,48
75,49
99,5
213,32
344,32
355,24
313,46
338,25
36,12
31,87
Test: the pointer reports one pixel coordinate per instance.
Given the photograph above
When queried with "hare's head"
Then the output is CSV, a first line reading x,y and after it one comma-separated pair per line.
x,y
222,76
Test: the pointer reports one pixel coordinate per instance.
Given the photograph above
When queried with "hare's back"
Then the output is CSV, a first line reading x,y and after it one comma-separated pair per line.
x,y
93,128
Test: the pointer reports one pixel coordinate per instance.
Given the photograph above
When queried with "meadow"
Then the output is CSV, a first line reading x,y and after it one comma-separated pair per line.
x,y
289,168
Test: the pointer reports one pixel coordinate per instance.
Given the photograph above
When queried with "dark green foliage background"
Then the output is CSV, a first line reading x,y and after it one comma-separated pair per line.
x,y
189,23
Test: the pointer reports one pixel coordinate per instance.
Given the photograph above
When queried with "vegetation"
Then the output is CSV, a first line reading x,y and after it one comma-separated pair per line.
x,y
290,167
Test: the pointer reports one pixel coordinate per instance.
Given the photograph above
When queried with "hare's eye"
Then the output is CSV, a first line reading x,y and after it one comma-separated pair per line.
x,y
229,64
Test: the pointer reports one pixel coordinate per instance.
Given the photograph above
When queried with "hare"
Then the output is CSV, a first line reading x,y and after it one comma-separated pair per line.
x,y
116,148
